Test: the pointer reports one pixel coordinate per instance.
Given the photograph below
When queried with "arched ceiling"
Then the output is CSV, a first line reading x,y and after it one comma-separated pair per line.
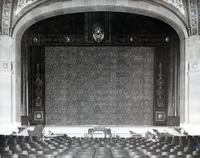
x,y
11,11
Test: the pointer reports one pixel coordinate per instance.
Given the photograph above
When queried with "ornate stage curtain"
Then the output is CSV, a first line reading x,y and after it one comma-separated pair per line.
x,y
99,85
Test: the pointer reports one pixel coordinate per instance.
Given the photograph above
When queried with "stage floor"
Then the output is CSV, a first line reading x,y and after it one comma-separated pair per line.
x,y
82,131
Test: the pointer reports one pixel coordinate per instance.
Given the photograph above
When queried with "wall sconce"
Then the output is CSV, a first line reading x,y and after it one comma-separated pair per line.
x,y
67,39
167,39
131,39
35,39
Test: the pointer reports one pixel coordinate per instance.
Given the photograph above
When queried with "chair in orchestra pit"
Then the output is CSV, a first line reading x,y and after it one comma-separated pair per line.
x,y
133,134
161,134
37,132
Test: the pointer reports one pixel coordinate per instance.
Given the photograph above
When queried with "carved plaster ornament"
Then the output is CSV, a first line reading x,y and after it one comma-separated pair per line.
x,y
98,34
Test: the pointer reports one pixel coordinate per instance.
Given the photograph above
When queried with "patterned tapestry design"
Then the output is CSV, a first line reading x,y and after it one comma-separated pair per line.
x,y
99,85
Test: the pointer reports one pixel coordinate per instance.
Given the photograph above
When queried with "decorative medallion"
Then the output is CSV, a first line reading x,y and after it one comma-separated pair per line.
x,y
160,116
98,34
38,116
5,66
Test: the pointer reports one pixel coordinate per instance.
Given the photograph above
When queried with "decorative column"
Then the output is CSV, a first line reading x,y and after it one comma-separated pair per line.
x,y
7,81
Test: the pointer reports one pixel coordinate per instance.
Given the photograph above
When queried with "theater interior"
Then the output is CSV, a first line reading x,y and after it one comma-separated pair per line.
x,y
99,79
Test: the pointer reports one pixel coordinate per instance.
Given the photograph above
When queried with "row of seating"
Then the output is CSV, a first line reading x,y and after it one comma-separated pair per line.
x,y
72,147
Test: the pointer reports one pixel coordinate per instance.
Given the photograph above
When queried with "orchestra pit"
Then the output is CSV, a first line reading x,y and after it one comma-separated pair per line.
x,y
99,79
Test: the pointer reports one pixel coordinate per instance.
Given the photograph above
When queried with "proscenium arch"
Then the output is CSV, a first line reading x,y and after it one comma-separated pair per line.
x,y
67,7
150,9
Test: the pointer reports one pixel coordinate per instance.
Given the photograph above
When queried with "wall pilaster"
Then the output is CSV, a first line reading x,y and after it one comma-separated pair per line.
x,y
7,83
192,76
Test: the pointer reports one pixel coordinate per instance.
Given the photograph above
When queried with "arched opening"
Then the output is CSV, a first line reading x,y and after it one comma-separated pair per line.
x,y
178,26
